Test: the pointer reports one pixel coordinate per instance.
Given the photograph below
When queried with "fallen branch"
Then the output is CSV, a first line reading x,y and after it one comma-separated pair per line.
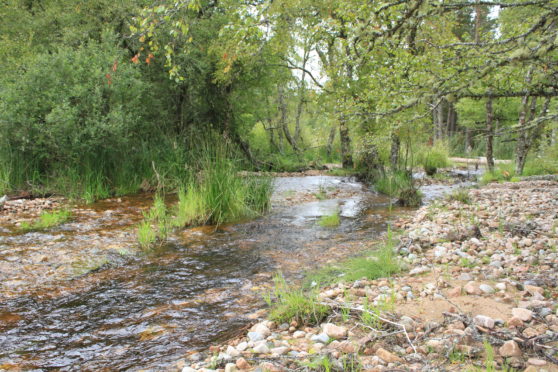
x,y
336,305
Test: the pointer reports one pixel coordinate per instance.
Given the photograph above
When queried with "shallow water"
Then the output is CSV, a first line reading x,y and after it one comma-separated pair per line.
x,y
138,312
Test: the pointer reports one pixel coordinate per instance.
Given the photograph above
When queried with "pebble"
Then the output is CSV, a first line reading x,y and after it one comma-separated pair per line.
x,y
523,314
486,288
333,331
322,337
510,349
261,348
484,321
255,336
387,356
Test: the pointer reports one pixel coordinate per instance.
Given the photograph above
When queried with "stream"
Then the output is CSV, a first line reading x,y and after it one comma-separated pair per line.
x,y
79,297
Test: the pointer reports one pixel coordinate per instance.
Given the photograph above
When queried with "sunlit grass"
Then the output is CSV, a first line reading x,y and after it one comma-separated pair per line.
x,y
47,220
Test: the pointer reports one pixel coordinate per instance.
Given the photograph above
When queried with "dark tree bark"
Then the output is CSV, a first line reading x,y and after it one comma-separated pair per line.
x,y
394,155
283,120
489,134
346,155
522,146
330,139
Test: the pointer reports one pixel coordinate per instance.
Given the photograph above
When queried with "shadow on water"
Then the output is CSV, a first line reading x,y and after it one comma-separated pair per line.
x,y
149,311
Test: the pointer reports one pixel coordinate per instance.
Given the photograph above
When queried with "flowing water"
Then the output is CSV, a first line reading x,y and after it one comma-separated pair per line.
x,y
77,298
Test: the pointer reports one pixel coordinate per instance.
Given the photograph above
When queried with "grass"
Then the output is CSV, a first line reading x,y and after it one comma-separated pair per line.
x,y
433,157
289,303
461,195
330,221
218,194
47,220
399,185
381,263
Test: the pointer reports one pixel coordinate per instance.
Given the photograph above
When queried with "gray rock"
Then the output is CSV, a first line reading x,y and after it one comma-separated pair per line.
x,y
484,321
486,288
261,348
255,336
322,337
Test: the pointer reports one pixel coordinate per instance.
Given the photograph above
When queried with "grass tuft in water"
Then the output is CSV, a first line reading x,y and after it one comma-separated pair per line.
x,y
330,221
47,220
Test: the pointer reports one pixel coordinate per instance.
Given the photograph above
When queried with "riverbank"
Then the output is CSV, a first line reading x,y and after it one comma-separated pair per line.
x,y
478,290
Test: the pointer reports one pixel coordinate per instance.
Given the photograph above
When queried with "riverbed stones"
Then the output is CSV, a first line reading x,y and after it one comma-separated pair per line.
x,y
460,296
484,321
387,356
522,314
334,331
510,349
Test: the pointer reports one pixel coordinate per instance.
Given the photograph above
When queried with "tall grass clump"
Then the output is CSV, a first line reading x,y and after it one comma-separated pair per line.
x,y
399,184
501,173
330,221
218,193
434,157
155,226
289,303
47,220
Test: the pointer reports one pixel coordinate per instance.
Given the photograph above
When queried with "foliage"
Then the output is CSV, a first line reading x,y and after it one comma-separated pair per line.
x,y
330,221
47,220
289,303
399,184
432,158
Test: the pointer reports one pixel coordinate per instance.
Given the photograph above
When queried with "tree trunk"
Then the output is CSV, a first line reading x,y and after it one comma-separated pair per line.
x,y
330,139
489,134
346,156
522,146
394,155
283,120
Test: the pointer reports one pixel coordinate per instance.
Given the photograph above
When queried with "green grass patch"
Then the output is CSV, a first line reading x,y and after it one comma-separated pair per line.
x,y
434,157
47,220
289,303
461,195
399,185
330,221
381,263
